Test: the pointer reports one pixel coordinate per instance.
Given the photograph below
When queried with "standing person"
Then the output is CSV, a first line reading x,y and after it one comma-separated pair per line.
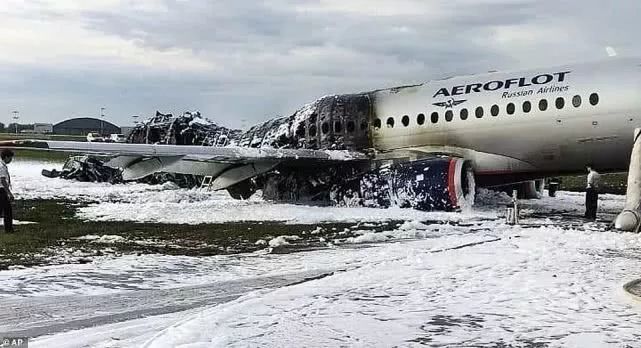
x,y
592,193
6,197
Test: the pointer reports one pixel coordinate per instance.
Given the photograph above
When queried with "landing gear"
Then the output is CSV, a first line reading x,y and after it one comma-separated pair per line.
x,y
553,185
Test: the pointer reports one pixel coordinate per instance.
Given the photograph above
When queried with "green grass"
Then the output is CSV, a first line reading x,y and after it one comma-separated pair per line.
x,y
56,227
61,137
610,183
45,156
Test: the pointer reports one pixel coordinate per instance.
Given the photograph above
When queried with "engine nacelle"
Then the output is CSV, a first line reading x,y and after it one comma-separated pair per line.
x,y
443,184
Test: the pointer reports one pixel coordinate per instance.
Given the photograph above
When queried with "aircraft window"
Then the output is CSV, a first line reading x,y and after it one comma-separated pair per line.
x,y
594,99
312,118
364,125
338,127
351,126
390,122
543,104
420,119
479,112
449,115
494,110
325,127
510,109
377,123
406,120
527,106
434,117
560,103
463,114
300,131
576,101
312,130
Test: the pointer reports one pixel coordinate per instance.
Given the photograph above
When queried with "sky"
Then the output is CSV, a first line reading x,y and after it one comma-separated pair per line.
x,y
245,61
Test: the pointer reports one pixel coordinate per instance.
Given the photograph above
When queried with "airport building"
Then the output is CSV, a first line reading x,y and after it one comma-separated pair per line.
x,y
84,125
42,128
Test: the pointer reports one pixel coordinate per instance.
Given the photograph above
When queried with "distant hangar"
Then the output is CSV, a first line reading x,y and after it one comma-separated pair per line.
x,y
84,125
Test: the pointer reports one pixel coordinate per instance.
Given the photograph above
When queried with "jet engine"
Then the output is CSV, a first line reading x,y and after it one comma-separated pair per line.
x,y
443,184
435,184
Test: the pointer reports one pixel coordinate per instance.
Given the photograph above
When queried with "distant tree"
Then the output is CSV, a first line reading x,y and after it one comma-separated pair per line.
x,y
11,128
2,128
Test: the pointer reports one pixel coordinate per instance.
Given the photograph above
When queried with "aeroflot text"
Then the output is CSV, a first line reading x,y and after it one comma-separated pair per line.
x,y
542,79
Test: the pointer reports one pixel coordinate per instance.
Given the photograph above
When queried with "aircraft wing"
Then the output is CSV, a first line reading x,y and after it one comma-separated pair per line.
x,y
226,165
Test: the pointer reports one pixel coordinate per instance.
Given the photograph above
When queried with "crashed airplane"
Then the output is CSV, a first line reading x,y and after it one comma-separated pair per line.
x,y
424,146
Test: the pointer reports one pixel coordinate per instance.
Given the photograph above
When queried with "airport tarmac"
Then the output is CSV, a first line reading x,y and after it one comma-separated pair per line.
x,y
390,277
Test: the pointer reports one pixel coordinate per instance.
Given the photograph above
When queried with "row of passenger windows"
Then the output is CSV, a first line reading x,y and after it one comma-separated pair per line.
x,y
338,128
479,112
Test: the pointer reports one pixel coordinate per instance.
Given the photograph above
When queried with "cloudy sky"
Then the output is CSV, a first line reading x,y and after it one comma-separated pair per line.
x,y
244,61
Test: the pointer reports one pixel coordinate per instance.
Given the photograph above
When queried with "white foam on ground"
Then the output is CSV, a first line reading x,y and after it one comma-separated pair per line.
x,y
549,286
552,285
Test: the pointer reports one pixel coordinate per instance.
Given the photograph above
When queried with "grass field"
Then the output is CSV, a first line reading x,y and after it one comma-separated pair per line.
x,y
45,156
610,183
56,228
13,136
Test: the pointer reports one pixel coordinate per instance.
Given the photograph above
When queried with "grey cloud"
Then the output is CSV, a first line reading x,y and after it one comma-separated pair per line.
x,y
271,58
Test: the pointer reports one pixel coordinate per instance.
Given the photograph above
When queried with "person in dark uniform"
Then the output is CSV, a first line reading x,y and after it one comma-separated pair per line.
x,y
592,193
6,196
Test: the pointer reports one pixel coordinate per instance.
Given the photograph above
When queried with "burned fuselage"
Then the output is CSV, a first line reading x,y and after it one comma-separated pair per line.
x,y
339,122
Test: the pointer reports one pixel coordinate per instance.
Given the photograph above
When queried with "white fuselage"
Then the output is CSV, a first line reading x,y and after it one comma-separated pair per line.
x,y
560,139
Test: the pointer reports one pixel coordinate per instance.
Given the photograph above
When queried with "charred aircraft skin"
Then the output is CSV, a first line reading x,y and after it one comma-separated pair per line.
x,y
338,122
